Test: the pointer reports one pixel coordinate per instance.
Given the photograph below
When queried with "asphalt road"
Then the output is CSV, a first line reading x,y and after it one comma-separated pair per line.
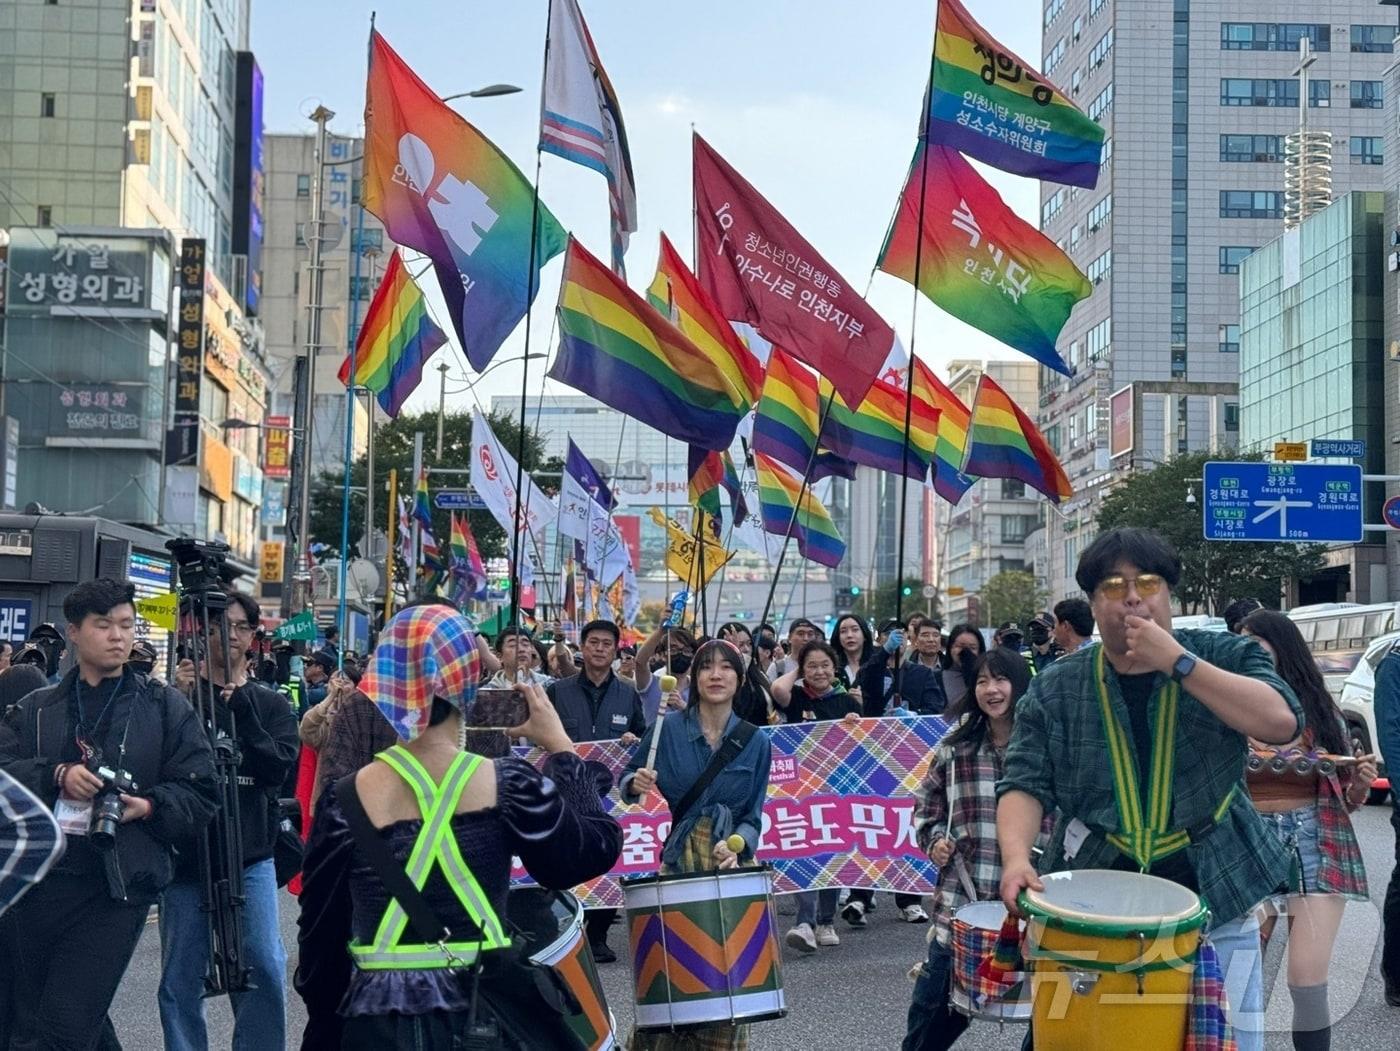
x,y
854,996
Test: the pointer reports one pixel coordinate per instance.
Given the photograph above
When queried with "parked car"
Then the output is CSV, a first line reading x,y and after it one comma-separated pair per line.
x,y
1358,705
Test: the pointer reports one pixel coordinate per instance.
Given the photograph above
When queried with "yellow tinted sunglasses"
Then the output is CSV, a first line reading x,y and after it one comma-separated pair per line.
x,y
1148,584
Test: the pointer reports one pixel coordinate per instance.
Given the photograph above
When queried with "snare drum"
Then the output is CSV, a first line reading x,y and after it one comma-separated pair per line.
x,y
975,929
552,923
704,948
1111,957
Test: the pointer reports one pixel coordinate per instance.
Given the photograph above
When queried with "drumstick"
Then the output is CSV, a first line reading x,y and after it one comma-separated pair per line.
x,y
735,843
655,740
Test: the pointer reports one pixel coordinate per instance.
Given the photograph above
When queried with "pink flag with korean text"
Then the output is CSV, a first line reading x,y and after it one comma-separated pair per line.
x,y
840,809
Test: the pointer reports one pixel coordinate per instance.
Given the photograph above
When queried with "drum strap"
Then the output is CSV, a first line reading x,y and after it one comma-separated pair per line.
x,y
1146,837
733,744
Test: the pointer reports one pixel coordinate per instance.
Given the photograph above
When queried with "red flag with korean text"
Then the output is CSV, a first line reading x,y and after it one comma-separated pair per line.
x,y
760,270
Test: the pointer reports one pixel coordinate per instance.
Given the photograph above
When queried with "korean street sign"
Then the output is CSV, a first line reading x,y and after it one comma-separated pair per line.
x,y
1290,451
1346,448
1305,503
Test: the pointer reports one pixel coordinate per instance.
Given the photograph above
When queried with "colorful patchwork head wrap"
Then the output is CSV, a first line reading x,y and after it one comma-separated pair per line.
x,y
424,652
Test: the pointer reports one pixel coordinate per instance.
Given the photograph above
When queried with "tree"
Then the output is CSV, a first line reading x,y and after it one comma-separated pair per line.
x,y
1214,573
393,448
1012,595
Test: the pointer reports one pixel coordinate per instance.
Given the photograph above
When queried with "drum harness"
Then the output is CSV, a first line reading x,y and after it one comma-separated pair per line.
x,y
435,846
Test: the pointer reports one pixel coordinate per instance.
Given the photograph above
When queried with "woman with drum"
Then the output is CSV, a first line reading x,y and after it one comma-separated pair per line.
x,y
423,837
1305,790
955,823
704,827
817,696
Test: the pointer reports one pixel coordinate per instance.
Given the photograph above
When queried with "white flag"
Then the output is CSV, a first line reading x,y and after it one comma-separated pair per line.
x,y
580,119
493,478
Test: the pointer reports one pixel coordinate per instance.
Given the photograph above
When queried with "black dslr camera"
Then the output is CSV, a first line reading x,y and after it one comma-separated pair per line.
x,y
108,807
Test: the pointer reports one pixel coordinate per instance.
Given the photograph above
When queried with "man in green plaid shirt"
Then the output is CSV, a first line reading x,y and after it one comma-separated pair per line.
x,y
1095,726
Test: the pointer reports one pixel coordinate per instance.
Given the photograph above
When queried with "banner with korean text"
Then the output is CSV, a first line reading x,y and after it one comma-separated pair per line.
x,y
840,809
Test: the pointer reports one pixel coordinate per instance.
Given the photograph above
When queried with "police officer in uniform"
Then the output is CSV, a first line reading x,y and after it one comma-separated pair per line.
x,y
596,705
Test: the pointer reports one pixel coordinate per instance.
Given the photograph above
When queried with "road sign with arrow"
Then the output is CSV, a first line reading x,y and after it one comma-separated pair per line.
x,y
1304,503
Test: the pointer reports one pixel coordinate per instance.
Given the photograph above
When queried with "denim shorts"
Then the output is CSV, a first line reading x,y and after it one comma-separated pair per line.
x,y
1298,830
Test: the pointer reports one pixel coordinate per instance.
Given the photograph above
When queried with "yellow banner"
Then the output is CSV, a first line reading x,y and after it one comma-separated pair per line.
x,y
683,554
160,609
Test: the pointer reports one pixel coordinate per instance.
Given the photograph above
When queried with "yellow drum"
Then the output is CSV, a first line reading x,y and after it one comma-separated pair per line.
x,y
1111,956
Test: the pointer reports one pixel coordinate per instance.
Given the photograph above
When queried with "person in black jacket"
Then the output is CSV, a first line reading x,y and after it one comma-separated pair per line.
x,y
77,929
267,740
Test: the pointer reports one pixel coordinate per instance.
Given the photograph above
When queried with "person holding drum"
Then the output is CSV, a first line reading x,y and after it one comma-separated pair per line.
x,y
817,696
703,736
1308,809
429,817
955,824
1140,742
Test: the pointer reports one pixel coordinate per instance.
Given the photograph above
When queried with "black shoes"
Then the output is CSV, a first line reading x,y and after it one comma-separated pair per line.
x,y
601,952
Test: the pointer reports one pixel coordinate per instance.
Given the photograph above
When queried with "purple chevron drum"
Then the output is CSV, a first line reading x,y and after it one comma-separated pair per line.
x,y
704,948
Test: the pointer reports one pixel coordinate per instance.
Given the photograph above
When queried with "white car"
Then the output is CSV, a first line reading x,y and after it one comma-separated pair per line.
x,y
1357,702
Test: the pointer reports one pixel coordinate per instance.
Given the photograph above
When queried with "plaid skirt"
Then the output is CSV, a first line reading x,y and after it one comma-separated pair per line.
x,y
696,857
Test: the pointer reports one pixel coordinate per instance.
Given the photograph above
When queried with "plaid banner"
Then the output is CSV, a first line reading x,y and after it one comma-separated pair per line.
x,y
840,809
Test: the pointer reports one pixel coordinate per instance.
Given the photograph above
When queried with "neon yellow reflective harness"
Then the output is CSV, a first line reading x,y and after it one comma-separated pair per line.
x,y
435,846
1148,839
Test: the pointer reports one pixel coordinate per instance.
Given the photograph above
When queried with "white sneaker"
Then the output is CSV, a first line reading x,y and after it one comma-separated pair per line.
x,y
914,913
854,913
826,935
802,939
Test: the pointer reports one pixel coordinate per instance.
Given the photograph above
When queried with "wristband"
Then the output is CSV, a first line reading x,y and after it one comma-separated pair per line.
x,y
59,774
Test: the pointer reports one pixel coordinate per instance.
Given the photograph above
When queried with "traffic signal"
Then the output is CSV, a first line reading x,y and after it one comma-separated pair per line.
x,y
855,590
906,591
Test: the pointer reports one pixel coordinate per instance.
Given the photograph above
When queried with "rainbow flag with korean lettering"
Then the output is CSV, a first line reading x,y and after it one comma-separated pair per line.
x,y
979,260
873,433
397,338
616,347
467,571
442,188
782,498
954,418
785,425
988,103
1004,443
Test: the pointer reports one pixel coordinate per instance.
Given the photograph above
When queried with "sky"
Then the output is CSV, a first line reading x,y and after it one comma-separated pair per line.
x,y
815,102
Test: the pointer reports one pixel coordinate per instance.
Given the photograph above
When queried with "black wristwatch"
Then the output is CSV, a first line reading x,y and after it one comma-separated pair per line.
x,y
1184,666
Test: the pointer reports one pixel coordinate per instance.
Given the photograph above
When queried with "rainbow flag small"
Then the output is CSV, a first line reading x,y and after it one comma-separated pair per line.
x,y
423,511
782,498
785,425
617,348
954,418
979,260
468,571
988,103
873,434
397,339
677,294
709,471
1004,443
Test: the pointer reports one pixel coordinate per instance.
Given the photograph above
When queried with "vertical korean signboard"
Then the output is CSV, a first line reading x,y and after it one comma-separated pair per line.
x,y
277,446
183,447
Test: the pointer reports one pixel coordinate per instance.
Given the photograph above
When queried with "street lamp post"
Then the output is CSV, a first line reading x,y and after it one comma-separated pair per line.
x,y
442,404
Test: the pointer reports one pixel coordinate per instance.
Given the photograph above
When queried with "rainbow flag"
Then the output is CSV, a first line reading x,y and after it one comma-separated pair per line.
x,y
873,434
988,103
979,260
1004,443
442,188
615,347
677,294
785,425
954,418
782,498
467,570
709,470
423,511
397,338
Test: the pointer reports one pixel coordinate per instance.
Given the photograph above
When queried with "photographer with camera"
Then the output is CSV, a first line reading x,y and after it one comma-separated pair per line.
x,y
129,773
264,737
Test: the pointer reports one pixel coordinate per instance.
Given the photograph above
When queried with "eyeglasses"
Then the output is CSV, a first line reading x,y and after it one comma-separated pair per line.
x,y
243,627
1148,584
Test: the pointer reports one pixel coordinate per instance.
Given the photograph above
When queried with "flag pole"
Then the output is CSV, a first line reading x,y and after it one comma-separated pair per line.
x,y
389,554
531,281
922,154
797,508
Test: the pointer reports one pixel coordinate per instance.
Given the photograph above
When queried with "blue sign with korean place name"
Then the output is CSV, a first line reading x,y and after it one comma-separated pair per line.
x,y
1349,448
1299,502
458,500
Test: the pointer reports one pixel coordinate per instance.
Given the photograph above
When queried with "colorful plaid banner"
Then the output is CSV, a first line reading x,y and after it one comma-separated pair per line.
x,y
840,809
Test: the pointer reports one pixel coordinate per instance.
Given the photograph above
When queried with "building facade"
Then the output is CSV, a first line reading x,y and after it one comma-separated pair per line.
x,y
1197,98
1312,360
986,533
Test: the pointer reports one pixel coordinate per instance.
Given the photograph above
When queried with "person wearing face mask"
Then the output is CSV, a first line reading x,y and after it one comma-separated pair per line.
x,y
965,649
812,692
953,826
675,647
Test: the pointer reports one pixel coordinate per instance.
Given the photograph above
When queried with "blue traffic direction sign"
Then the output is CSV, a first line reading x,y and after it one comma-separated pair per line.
x,y
1351,449
458,500
1305,503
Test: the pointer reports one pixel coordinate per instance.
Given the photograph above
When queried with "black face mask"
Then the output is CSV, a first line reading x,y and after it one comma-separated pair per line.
x,y
680,664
